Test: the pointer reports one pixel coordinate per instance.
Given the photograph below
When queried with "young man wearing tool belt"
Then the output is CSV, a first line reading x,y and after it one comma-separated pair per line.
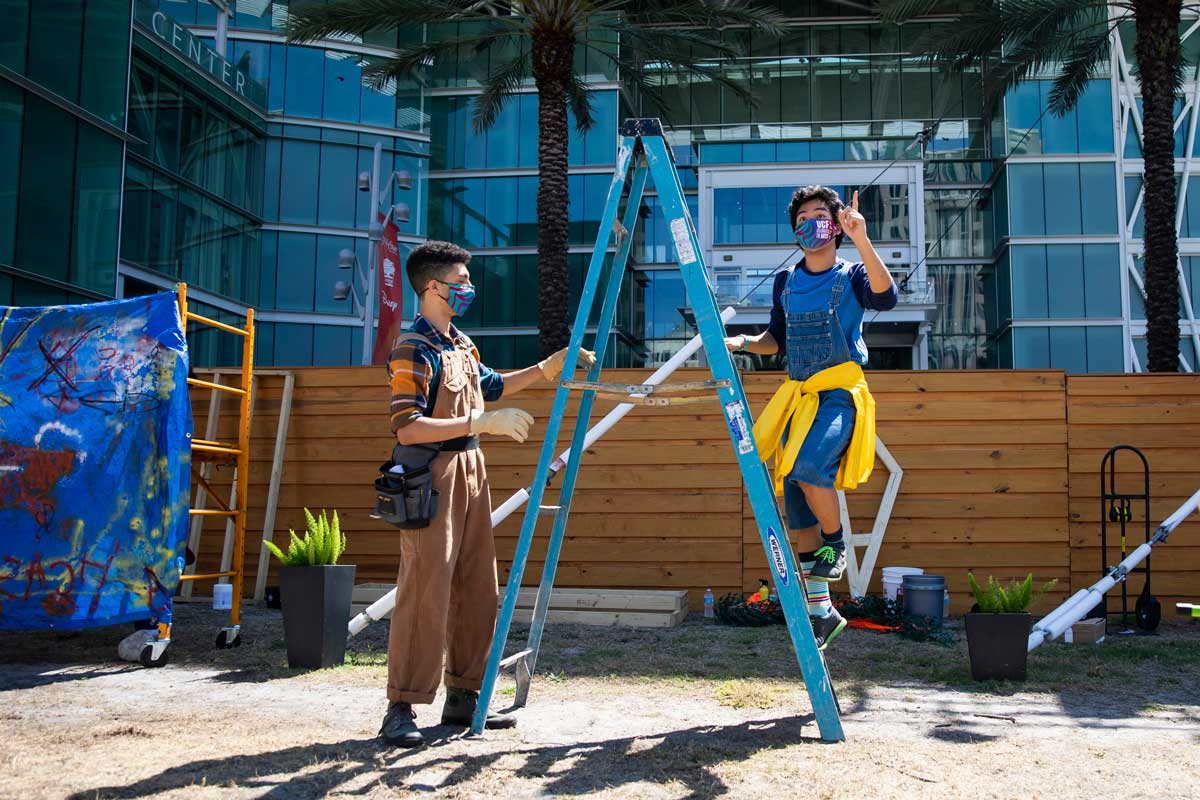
x,y
820,425
446,587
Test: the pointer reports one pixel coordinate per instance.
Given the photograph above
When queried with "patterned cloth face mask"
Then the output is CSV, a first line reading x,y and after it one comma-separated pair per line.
x,y
461,295
815,233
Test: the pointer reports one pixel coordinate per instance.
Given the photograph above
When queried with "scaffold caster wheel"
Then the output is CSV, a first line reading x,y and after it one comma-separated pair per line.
x,y
224,642
1147,613
148,659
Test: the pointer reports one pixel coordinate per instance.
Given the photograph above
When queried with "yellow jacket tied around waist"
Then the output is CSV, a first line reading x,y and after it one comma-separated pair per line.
x,y
796,403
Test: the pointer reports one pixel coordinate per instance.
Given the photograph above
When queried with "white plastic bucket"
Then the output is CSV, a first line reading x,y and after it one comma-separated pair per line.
x,y
893,579
223,597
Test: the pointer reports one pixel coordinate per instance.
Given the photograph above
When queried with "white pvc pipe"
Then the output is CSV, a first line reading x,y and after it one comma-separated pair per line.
x,y
1056,623
381,607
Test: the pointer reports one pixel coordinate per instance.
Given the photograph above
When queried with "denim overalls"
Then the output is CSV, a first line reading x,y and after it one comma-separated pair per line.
x,y
816,341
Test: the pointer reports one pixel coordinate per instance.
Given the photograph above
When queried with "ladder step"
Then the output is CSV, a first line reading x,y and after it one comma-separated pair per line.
x,y
208,448
514,658
213,512
647,388
548,511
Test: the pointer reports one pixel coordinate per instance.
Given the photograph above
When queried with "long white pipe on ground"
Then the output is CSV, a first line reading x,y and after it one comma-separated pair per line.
x,y
1055,623
377,610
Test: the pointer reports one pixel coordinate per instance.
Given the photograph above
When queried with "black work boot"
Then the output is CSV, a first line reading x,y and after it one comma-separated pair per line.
x,y
399,727
460,708
826,628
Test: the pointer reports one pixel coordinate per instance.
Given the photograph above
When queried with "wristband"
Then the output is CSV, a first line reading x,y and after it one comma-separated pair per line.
x,y
745,345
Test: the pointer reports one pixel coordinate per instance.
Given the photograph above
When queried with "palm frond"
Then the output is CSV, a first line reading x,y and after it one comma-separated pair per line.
x,y
579,97
498,87
899,11
1078,66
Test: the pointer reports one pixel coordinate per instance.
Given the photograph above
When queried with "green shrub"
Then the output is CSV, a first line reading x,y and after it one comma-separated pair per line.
x,y
1013,599
322,544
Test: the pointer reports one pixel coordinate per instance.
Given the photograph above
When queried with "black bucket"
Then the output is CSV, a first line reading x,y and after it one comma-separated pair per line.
x,y
924,595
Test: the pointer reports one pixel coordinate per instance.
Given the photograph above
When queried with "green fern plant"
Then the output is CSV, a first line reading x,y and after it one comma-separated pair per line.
x,y
322,545
1012,599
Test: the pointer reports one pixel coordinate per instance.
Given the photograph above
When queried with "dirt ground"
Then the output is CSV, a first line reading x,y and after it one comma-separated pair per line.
x,y
697,711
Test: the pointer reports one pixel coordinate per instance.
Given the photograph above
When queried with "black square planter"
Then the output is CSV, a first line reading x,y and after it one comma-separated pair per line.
x,y
998,645
316,610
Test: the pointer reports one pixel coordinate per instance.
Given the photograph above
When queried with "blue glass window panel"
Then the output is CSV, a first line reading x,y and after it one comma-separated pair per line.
x,y
1191,267
1062,189
527,145
1133,185
11,108
264,344
665,295
793,151
758,152
576,144
253,15
97,210
297,189
328,273
759,215
501,209
105,60
1102,280
55,46
441,132
1031,348
278,78
1191,217
1028,265
267,272
475,144
1026,200
783,223
305,71
341,87
46,182
377,108
595,195
1059,134
293,345
1098,198
1068,348
296,268
601,142
1105,349
331,346
338,186
500,306
727,216
1094,115
1181,131
1064,264
722,153
14,38
469,212
526,217
827,151
504,137
1023,106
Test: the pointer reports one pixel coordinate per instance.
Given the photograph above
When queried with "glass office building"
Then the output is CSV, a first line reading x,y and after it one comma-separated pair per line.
x,y
151,141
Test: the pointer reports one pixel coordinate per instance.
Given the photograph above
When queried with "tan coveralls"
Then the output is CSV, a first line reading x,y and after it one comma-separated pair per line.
x,y
447,588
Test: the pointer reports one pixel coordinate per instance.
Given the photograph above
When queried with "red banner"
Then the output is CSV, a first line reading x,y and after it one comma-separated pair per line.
x,y
391,293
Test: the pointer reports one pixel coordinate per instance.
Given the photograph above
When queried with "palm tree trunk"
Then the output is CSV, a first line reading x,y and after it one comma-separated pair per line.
x,y
1157,50
553,57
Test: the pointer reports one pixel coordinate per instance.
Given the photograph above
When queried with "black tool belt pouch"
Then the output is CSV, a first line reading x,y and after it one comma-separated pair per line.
x,y
408,499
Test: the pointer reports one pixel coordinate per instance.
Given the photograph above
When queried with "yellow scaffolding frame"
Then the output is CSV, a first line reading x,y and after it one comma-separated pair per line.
x,y
220,452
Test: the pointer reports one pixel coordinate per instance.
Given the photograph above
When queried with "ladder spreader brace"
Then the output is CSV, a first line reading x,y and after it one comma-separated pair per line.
x,y
645,150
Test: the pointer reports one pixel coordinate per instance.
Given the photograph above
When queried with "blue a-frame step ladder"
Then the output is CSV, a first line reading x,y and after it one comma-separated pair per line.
x,y
644,148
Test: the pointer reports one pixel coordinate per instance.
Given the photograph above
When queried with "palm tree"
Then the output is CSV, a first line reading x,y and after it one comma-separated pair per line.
x,y
1073,37
538,39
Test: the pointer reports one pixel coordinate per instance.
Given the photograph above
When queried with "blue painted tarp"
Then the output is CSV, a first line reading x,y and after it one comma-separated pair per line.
x,y
95,426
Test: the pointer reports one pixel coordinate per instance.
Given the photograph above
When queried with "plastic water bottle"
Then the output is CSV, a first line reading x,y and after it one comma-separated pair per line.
x,y
708,603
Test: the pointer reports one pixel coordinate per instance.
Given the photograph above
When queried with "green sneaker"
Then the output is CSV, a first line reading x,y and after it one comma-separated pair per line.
x,y
831,562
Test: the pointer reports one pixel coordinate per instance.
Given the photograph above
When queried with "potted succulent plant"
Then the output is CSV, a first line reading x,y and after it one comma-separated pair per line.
x,y
315,592
998,629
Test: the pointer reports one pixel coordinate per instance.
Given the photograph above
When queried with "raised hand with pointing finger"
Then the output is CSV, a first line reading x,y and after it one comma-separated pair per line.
x,y
852,223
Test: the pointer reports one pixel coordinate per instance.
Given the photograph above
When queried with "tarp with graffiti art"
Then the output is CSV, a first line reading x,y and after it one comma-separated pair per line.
x,y
94,462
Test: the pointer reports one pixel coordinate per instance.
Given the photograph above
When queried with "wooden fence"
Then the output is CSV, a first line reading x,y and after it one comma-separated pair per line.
x,y
1000,477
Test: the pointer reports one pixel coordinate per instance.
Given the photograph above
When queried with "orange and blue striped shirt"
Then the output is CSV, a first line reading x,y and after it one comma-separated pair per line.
x,y
415,373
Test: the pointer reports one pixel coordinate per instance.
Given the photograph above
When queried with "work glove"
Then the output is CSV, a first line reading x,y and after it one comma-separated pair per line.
x,y
512,422
552,366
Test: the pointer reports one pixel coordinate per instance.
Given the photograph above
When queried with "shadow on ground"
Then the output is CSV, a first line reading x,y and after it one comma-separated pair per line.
x,y
685,756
